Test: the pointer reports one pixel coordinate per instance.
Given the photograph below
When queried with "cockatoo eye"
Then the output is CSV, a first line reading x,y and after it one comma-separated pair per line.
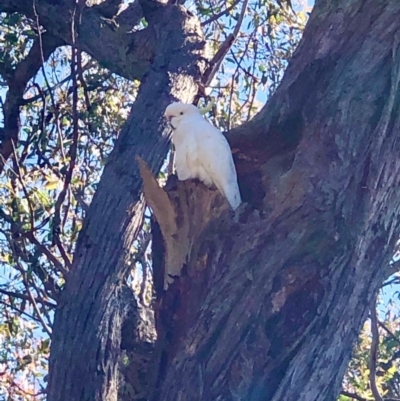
x,y
181,113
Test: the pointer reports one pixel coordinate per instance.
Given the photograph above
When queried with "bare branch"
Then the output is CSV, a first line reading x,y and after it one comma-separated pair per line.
x,y
220,14
17,82
49,90
395,267
75,138
26,297
31,237
357,397
17,229
354,396
32,300
374,353
22,181
139,46
238,66
215,63
391,334
13,307
45,326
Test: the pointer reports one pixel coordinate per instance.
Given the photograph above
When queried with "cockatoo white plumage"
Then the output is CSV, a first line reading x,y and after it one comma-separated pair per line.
x,y
201,151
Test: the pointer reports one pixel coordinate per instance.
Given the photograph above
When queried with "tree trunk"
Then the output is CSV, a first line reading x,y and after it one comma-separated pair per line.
x,y
86,336
270,302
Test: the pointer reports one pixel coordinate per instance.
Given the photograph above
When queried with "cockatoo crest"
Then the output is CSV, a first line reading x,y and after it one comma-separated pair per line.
x,y
201,151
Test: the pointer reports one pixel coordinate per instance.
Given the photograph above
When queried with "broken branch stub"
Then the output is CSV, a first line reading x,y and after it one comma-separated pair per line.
x,y
183,213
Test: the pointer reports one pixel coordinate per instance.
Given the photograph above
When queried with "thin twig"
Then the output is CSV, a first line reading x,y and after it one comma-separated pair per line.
x,y
26,298
354,396
53,102
240,20
45,326
216,62
43,92
24,190
254,84
28,393
82,79
220,14
39,297
394,337
89,64
233,79
20,311
374,353
228,122
32,298
74,145
357,397
79,198
249,74
31,237
42,54
30,234
16,228
394,267
395,280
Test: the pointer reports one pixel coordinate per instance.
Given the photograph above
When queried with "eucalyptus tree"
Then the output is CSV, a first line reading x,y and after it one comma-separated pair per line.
x,y
265,304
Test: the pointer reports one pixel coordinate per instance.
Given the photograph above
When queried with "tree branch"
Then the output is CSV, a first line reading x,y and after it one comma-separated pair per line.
x,y
75,139
136,50
30,235
357,397
165,214
45,326
391,334
13,307
395,267
26,297
215,63
221,13
354,396
17,82
374,353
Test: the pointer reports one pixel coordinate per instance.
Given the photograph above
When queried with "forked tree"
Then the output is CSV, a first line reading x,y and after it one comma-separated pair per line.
x,y
262,304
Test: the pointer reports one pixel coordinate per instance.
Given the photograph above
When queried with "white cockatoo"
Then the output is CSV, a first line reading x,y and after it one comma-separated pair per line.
x,y
201,151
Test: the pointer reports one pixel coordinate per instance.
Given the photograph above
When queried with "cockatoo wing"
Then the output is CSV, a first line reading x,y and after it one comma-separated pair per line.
x,y
215,156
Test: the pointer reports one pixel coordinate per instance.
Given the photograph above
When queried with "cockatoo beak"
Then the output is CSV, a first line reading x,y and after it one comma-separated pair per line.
x,y
169,118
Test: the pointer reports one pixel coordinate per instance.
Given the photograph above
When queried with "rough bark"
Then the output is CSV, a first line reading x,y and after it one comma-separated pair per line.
x,y
270,303
122,51
86,340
